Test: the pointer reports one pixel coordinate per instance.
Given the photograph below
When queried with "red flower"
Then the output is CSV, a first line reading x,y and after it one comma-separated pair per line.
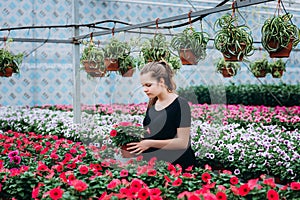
x,y
167,178
56,193
206,176
151,172
45,150
83,169
114,183
71,178
194,197
42,167
177,182
295,185
54,156
71,166
113,133
221,196
79,185
143,194
35,192
136,185
270,182
190,168
244,190
234,180
272,195
96,166
155,192
124,173
59,168
73,150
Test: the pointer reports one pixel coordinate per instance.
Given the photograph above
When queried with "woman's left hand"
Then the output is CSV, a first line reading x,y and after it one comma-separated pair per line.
x,y
138,147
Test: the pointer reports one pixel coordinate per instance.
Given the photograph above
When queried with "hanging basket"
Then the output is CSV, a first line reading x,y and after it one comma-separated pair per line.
x,y
8,72
276,73
261,74
93,68
187,57
283,52
111,64
228,56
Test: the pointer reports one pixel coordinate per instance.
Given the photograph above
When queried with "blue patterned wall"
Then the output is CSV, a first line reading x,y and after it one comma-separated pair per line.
x,y
46,75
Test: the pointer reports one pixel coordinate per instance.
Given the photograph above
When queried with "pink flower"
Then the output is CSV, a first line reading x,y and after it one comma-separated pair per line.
x,y
56,193
83,169
79,185
114,183
177,182
124,173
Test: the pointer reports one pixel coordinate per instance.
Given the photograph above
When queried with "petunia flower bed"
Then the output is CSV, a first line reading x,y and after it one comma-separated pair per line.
x,y
53,168
56,148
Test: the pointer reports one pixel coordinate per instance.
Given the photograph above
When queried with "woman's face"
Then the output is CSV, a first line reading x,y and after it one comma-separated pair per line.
x,y
151,86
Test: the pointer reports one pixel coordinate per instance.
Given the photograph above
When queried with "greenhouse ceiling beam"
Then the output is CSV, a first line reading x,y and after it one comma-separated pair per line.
x,y
237,4
70,41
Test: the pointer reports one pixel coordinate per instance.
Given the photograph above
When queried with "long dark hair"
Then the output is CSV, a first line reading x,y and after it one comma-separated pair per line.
x,y
159,70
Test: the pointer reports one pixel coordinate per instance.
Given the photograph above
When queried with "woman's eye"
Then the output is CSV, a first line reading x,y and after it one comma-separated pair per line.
x,y
148,85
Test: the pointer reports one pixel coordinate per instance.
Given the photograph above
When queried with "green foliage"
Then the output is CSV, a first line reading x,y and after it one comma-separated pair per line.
x,y
230,37
279,30
247,94
157,49
222,64
116,49
191,39
122,135
92,53
258,65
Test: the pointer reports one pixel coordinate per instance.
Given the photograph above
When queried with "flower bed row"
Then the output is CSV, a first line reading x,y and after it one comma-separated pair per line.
x,y
246,150
288,117
35,166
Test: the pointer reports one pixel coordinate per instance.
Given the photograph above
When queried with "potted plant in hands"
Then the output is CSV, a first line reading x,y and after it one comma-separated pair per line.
x,y
157,49
260,68
277,68
92,60
191,45
233,41
226,68
114,52
124,133
279,35
9,63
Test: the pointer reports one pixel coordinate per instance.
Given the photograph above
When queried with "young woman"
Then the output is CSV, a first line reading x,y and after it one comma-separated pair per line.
x,y
168,119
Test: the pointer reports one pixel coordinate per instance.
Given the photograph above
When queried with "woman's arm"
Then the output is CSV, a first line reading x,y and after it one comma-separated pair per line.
x,y
179,142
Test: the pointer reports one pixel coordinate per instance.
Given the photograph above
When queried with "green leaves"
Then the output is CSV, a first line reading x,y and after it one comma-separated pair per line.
x,y
229,38
189,38
277,32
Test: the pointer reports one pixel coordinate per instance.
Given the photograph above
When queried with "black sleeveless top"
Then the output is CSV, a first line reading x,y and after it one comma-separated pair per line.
x,y
163,125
